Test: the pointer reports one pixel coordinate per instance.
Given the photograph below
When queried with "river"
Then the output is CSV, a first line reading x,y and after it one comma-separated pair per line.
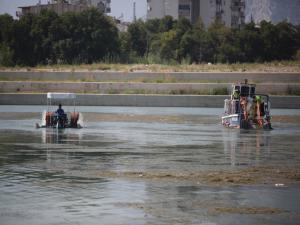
x,y
131,165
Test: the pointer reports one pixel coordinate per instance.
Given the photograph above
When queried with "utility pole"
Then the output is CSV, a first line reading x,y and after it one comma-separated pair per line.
x,y
134,12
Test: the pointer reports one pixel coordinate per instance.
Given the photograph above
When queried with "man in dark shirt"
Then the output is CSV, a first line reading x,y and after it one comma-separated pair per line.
x,y
60,111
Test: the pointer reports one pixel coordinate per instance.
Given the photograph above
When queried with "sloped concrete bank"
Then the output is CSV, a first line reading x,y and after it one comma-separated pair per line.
x,y
107,76
213,101
139,88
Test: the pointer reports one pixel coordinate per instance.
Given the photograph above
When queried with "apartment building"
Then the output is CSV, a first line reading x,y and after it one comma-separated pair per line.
x,y
63,6
231,12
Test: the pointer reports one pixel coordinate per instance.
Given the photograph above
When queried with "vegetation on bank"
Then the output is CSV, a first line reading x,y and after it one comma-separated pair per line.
x,y
269,67
91,37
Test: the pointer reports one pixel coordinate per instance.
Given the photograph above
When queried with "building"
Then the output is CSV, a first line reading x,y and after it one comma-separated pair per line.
x,y
63,6
231,12
273,11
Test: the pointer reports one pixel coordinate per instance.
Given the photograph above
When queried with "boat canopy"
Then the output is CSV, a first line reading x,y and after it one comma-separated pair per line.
x,y
57,95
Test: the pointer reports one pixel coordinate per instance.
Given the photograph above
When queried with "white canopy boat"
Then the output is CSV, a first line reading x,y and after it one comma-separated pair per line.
x,y
60,119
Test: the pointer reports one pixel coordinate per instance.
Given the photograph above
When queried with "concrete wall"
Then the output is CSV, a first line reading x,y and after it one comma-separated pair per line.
x,y
156,9
153,88
171,8
144,100
145,77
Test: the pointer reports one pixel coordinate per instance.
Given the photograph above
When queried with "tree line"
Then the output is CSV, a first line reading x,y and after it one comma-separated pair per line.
x,y
91,36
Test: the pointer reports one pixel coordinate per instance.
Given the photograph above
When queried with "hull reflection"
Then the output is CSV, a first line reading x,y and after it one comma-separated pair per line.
x,y
246,147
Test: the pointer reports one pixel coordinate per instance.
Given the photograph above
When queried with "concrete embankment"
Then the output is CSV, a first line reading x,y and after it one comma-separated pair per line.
x,y
144,88
108,76
140,88
217,101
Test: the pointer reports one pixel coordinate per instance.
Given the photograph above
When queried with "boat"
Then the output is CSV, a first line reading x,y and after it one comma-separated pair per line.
x,y
247,109
52,119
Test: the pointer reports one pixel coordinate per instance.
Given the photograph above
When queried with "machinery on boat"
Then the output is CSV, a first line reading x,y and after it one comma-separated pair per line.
x,y
246,109
55,119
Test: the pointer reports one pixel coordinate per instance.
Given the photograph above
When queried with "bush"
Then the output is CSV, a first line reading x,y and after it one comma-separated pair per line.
x,y
297,56
6,56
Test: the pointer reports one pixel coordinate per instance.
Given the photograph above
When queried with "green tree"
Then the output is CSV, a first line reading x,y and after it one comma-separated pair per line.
x,y
41,36
168,46
166,24
23,43
270,39
217,35
86,37
124,47
6,25
99,35
138,38
6,55
193,43
287,40
250,43
6,38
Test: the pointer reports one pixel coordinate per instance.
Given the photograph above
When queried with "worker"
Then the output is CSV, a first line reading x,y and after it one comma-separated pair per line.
x,y
60,111
236,94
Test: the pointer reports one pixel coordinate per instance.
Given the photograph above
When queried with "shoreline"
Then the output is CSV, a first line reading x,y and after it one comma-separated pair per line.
x,y
209,101
151,77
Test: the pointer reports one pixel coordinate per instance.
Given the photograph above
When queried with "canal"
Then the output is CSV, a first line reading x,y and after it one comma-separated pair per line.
x,y
131,165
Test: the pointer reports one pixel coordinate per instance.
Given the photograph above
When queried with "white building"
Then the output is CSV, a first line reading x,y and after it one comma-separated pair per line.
x,y
63,6
103,5
231,12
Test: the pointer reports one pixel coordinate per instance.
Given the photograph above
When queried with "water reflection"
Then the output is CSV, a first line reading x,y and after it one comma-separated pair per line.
x,y
60,136
246,147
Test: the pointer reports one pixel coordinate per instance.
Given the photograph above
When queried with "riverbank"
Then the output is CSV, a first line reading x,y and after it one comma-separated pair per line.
x,y
175,83
269,67
145,89
211,101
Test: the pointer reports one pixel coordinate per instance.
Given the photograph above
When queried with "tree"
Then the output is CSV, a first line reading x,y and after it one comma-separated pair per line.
x,y
250,43
22,43
138,38
287,40
216,37
41,36
193,43
85,37
6,38
6,55
168,46
99,35
270,39
6,24
166,24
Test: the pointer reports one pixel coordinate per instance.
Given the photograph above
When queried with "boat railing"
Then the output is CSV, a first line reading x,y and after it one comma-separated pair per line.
x,y
231,106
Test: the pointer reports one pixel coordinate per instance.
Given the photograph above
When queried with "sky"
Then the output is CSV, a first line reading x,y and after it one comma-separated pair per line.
x,y
118,7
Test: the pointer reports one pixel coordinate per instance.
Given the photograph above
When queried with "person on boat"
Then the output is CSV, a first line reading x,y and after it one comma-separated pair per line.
x,y
61,117
236,94
60,111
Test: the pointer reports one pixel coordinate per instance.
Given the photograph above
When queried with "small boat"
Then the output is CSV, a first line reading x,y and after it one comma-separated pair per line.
x,y
246,109
52,119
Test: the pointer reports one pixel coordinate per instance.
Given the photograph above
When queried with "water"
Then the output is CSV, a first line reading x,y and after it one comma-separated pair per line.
x,y
109,172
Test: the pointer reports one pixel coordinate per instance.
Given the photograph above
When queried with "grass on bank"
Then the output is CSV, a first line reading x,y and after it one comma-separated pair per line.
x,y
276,66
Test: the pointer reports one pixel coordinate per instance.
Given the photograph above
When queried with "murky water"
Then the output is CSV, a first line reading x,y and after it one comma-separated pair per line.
x,y
110,172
